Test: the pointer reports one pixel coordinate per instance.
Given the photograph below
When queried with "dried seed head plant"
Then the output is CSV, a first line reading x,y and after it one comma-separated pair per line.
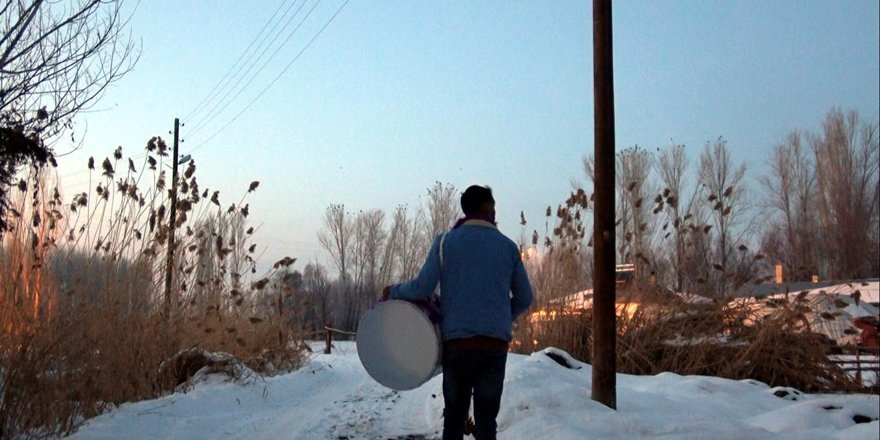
x,y
660,328
81,291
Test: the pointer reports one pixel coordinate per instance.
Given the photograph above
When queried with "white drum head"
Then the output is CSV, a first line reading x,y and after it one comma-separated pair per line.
x,y
398,345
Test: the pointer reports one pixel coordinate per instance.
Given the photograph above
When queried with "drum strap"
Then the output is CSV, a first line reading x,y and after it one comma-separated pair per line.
x,y
442,240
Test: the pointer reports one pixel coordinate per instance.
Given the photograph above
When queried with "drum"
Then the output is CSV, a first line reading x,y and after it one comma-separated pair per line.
x,y
399,343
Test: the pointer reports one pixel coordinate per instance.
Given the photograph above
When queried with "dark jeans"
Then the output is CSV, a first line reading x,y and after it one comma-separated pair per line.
x,y
472,372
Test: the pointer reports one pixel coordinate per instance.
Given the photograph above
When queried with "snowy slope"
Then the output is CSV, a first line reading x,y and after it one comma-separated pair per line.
x,y
332,397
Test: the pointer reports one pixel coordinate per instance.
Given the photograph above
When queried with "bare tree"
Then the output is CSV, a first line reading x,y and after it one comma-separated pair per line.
x,y
317,291
634,190
368,256
358,248
56,59
357,266
848,189
369,250
791,187
387,258
403,240
436,215
679,204
336,238
723,181
441,211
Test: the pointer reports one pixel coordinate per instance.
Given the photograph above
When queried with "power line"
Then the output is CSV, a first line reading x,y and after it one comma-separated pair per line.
x,y
242,71
138,157
218,86
224,102
235,65
280,74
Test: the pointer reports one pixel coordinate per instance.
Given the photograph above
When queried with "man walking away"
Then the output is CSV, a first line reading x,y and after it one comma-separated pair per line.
x,y
483,288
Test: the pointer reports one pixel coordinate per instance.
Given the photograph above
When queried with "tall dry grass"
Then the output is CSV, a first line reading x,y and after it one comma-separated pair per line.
x,y
723,339
660,331
82,301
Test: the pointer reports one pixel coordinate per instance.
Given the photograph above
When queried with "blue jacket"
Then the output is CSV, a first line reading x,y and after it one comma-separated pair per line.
x,y
483,284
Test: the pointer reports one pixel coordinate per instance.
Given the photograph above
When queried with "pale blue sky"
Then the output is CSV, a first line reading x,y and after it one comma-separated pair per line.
x,y
395,95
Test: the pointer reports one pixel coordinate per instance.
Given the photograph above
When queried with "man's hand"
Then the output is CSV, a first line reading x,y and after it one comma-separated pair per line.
x,y
386,293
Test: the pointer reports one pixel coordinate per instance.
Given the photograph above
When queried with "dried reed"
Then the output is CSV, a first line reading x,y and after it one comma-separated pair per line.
x,y
82,312
715,339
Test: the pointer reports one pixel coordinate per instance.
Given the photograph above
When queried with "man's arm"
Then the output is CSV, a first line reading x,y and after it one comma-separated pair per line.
x,y
422,286
521,290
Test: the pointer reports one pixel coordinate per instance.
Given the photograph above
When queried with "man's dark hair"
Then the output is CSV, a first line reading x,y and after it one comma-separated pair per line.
x,y
474,197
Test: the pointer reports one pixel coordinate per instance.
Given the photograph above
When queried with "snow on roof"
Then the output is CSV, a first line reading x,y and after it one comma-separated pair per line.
x,y
868,288
833,307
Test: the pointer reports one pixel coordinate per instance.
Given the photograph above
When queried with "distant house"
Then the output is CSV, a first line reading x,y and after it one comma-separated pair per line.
x,y
833,305
628,295
868,289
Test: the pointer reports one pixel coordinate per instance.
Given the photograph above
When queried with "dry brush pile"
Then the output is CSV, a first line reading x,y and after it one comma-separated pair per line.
x,y
85,317
715,338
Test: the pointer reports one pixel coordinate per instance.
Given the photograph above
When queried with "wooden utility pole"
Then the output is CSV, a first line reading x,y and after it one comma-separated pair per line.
x,y
169,260
604,319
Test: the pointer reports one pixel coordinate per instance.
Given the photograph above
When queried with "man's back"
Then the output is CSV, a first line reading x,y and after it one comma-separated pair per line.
x,y
483,284
483,288
480,269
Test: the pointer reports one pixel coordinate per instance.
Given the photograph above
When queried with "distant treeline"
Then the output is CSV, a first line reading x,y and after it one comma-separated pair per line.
x,y
702,226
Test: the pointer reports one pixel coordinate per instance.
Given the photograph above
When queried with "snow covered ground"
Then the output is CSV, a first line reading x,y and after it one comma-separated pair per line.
x,y
332,397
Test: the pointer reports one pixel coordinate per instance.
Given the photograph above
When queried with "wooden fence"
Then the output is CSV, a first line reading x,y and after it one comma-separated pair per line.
x,y
329,336
860,360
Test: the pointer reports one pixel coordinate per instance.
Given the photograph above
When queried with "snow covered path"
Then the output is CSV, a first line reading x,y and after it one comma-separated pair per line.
x,y
332,397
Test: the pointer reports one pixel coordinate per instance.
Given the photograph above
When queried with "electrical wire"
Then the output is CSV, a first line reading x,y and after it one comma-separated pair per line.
x,y
223,103
266,88
235,65
277,77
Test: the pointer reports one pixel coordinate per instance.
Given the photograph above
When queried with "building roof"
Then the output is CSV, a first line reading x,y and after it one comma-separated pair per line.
x,y
869,289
